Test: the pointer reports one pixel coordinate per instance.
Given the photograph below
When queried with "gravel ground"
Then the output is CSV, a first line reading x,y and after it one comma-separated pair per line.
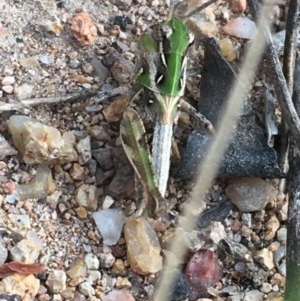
x,y
50,220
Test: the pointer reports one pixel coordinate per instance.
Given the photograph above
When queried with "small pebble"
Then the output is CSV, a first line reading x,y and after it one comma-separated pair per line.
x,y
110,224
7,89
93,277
86,289
265,258
266,288
106,260
57,281
117,295
282,235
77,268
91,261
8,80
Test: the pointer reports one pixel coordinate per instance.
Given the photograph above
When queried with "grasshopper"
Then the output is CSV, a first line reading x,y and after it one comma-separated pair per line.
x,y
164,75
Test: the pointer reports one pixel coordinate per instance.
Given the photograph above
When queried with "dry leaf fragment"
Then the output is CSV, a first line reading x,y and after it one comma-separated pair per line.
x,y
21,268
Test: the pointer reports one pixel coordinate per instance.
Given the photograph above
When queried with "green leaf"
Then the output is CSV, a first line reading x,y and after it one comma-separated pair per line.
x,y
144,80
177,46
135,144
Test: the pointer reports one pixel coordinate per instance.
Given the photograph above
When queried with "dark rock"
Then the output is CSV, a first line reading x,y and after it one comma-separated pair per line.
x,y
103,157
248,153
217,213
120,21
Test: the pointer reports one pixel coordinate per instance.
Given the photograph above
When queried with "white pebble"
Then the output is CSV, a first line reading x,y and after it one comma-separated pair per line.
x,y
7,89
8,80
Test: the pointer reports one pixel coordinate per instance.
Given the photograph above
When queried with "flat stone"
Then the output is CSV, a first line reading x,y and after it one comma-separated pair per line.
x,y
143,249
56,281
250,194
86,196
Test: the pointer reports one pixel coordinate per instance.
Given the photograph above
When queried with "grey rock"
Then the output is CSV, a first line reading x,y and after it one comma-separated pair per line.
x,y
248,153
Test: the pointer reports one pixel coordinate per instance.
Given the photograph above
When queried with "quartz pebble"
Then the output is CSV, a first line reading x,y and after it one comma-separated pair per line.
x,y
57,281
110,224
107,202
250,194
7,89
91,261
8,80
242,27
143,249
86,289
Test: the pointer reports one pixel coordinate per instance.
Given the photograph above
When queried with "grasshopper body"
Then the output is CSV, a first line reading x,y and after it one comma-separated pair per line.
x,y
164,75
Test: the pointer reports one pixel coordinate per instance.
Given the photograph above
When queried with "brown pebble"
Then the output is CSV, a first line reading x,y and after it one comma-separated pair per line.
x,y
238,6
81,212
